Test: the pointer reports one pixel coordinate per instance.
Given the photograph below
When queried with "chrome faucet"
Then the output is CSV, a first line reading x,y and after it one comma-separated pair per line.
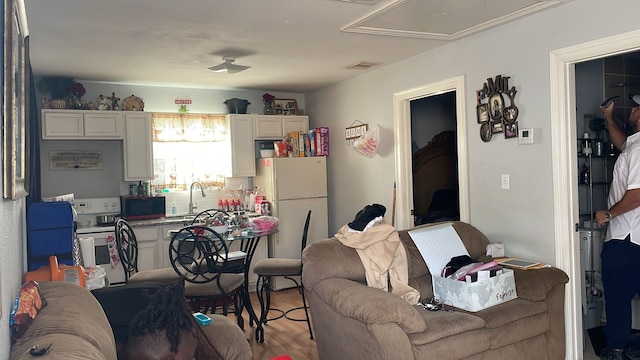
x,y
191,207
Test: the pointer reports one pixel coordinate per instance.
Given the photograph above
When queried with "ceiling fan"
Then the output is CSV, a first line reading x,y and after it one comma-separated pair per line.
x,y
228,67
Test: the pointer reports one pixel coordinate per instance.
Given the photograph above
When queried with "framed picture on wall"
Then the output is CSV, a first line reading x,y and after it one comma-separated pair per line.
x,y
485,131
511,130
14,156
496,127
482,112
285,106
496,104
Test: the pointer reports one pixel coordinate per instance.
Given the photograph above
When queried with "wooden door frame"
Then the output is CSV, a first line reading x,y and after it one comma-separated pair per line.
x,y
565,173
402,136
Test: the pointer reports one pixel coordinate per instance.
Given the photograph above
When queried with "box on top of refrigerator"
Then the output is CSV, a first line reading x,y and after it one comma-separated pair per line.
x,y
437,245
322,141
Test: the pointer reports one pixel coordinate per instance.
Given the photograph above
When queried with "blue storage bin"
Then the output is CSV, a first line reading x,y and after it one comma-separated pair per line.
x,y
49,229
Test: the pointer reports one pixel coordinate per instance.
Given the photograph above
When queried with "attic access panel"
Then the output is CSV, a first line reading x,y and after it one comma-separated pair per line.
x,y
443,20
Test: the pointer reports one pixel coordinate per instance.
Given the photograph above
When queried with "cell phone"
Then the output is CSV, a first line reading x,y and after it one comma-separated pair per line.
x,y
201,318
609,100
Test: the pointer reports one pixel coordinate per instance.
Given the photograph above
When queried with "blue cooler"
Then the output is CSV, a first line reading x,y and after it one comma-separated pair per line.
x,y
49,232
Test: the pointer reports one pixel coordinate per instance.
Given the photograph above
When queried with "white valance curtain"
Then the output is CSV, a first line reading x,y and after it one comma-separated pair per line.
x,y
170,127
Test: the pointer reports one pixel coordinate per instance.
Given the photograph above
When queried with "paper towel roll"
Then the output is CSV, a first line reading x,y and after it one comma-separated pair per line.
x,y
87,247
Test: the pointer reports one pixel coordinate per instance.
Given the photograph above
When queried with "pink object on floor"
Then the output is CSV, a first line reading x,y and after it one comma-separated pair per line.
x,y
282,357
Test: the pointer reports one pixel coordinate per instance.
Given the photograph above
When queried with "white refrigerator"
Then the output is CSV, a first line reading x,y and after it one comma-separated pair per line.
x,y
294,186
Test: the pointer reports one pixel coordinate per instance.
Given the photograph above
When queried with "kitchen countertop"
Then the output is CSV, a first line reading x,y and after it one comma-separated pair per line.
x,y
183,220
171,220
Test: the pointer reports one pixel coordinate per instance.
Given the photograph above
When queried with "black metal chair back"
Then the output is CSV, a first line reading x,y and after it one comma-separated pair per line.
x,y
305,231
207,214
198,254
127,248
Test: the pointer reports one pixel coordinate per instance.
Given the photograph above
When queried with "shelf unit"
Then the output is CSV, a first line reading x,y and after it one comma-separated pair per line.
x,y
593,194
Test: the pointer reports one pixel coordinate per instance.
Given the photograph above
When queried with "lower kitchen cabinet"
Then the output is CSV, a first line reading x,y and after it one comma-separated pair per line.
x,y
147,247
164,241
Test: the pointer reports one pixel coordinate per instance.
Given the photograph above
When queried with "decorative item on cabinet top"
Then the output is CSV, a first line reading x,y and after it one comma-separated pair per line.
x,y
132,103
237,106
286,106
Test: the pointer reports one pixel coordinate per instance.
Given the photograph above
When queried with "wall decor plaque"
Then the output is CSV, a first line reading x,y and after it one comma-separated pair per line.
x,y
491,110
70,160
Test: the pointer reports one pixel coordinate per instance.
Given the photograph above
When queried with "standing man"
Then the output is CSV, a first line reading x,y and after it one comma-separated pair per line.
x,y
621,250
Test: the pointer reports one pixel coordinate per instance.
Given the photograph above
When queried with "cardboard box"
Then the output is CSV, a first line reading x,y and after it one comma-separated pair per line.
x,y
477,295
438,244
322,141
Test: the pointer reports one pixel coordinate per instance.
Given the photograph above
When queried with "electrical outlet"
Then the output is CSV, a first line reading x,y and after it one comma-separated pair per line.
x,y
504,182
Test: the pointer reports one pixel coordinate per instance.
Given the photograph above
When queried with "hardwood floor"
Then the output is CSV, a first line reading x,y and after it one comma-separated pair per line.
x,y
282,336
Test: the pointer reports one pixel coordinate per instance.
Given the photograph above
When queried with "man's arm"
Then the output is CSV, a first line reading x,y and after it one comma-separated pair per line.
x,y
629,201
618,136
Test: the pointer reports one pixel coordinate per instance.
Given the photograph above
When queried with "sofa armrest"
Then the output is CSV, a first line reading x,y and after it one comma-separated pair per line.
x,y
222,340
534,285
369,305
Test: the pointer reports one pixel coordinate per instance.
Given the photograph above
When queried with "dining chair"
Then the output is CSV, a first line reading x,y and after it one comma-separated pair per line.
x,y
207,215
128,252
207,218
198,254
287,268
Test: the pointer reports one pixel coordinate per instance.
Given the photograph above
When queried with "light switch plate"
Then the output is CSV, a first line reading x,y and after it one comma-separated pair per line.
x,y
525,136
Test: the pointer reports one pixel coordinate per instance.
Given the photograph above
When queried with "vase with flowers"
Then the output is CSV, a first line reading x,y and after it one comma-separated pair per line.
x,y
55,90
76,90
267,99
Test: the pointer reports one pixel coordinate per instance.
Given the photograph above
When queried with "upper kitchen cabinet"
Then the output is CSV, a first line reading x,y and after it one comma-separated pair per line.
x,y
276,127
242,146
138,146
81,125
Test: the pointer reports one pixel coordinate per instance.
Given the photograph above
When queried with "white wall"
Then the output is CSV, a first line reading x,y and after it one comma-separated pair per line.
x,y
522,217
11,264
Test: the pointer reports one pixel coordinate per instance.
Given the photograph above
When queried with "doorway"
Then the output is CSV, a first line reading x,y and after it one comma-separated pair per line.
x,y
402,137
565,168
435,160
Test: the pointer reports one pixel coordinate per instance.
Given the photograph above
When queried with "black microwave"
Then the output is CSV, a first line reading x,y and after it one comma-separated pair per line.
x,y
143,207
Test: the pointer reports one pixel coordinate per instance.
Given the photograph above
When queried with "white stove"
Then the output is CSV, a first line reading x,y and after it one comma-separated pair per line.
x,y
87,210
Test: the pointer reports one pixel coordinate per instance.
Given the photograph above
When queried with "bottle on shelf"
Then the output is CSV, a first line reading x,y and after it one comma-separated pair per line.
x,y
585,175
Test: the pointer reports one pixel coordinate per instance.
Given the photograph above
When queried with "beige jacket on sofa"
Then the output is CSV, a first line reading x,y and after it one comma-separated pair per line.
x,y
383,257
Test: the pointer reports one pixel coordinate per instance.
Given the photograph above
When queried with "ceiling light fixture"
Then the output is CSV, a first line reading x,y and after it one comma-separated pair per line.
x,y
228,67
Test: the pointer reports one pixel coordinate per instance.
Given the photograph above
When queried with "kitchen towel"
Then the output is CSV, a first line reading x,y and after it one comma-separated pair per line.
x,y
87,247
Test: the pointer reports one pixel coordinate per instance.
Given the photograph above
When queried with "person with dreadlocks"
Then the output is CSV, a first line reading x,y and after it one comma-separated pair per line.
x,y
165,330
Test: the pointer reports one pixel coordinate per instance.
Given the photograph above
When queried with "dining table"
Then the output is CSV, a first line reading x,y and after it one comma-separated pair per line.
x,y
247,240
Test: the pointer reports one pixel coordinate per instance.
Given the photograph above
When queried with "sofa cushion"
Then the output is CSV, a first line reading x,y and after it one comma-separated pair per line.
x,y
73,322
344,262
443,324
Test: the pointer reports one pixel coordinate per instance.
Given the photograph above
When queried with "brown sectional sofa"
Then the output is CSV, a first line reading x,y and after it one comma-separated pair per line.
x,y
353,321
74,323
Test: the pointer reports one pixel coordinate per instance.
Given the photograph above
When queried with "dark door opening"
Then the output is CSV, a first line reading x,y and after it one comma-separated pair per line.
x,y
435,159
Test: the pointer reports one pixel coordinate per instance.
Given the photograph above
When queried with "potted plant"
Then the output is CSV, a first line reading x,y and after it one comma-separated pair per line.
x,y
57,88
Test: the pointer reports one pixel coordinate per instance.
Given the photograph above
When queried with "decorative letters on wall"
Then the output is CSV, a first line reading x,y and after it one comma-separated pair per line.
x,y
494,116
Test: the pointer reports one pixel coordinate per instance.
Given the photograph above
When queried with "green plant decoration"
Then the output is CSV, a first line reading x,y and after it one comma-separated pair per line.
x,y
55,86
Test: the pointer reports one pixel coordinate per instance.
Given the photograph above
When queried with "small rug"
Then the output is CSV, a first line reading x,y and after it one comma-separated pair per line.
x,y
596,335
